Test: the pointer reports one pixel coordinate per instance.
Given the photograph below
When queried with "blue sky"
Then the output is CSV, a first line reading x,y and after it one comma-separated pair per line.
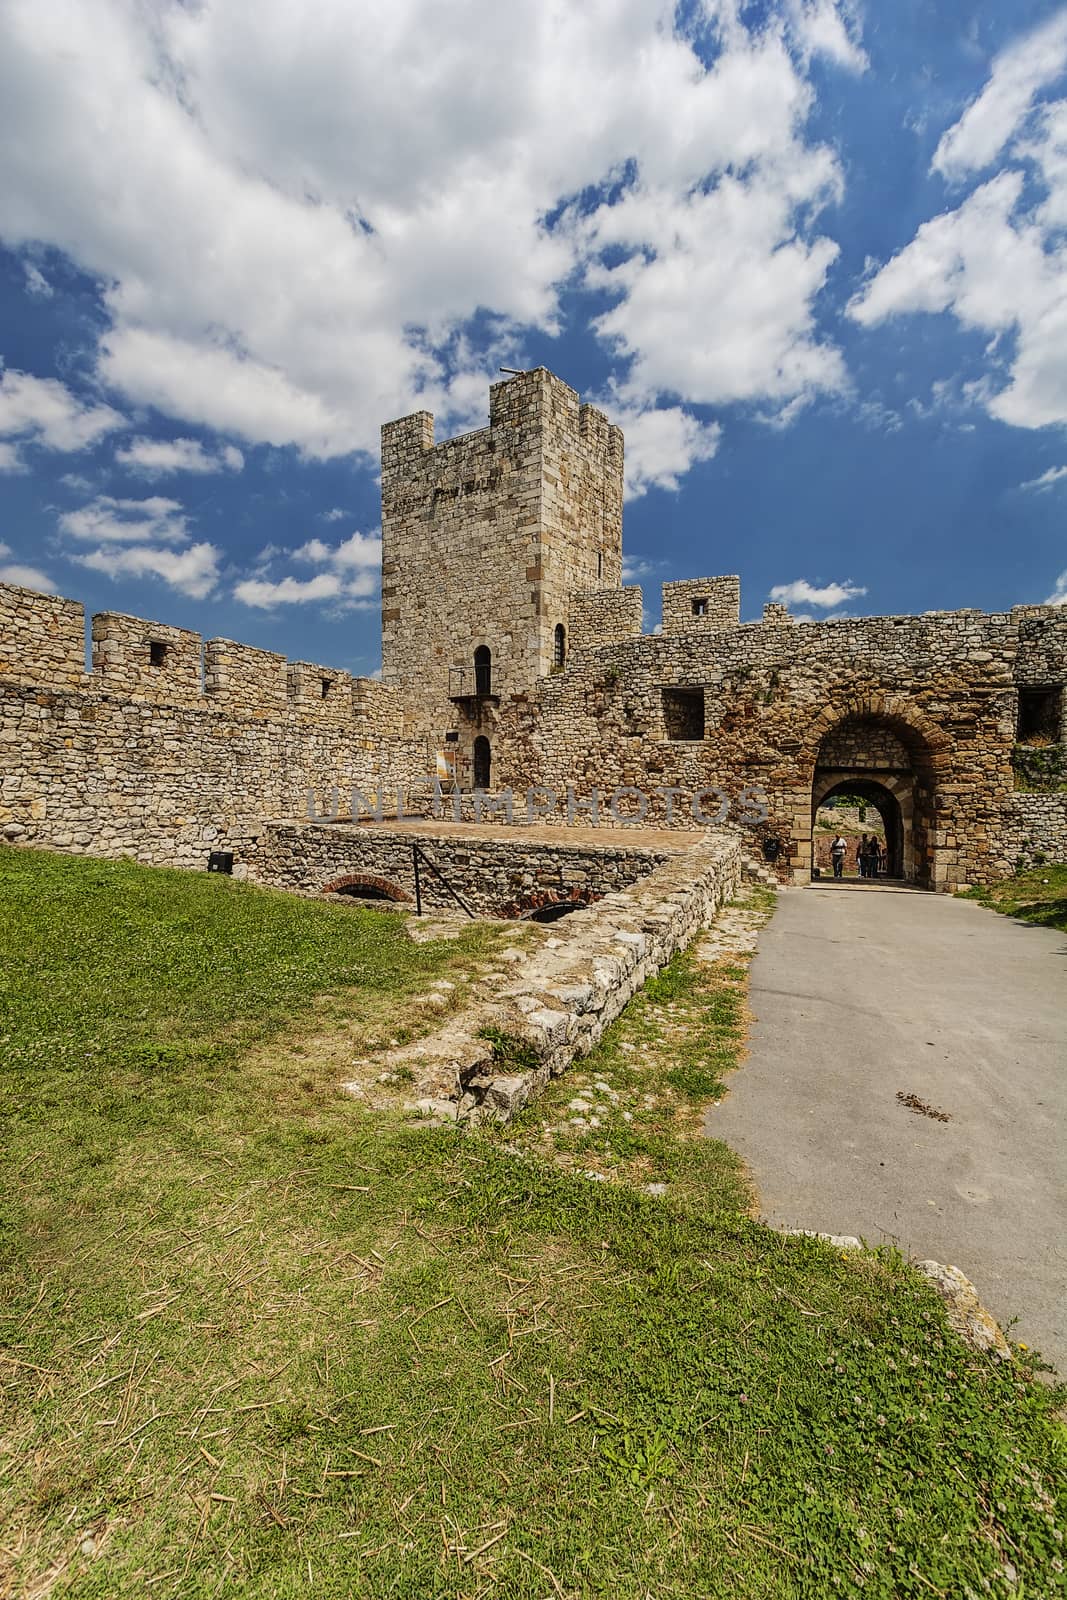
x,y
811,254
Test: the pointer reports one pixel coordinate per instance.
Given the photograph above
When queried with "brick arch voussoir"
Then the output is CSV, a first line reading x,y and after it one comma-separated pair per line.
x,y
898,713
516,910
365,880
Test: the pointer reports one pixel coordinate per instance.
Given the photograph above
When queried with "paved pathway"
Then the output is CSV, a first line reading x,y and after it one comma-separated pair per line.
x,y
860,993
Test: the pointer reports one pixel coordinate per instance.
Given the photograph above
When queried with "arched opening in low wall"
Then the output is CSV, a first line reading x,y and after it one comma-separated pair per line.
x,y
550,905
363,886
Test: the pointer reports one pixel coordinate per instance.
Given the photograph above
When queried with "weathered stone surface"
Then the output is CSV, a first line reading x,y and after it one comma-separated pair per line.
x,y
966,1313
508,540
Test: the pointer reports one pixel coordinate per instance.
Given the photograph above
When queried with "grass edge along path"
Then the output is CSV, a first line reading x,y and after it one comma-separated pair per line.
x,y
1037,895
259,1341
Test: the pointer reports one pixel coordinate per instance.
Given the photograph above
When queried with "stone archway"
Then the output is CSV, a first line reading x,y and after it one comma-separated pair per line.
x,y
366,886
892,756
881,796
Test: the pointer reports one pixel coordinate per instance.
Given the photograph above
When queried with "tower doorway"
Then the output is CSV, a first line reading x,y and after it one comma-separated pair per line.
x,y
483,762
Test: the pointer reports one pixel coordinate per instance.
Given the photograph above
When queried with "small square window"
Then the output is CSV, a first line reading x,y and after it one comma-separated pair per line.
x,y
157,653
683,713
700,608
1040,714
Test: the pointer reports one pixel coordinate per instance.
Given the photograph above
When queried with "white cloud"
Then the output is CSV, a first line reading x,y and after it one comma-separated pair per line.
x,y
634,568
359,552
291,254
193,571
153,458
825,597
661,445
263,593
337,514
1058,597
36,282
146,538
998,261
350,575
10,460
1018,74
823,27
1046,480
43,411
25,577
111,521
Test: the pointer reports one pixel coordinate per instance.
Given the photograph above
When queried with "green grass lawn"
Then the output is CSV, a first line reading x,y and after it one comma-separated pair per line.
x,y
259,1341
1038,895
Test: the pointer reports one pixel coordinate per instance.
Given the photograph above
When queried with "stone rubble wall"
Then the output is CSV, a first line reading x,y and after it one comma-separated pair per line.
x,y
123,660
497,877
720,596
493,1060
42,639
604,616
145,760
936,694
1036,824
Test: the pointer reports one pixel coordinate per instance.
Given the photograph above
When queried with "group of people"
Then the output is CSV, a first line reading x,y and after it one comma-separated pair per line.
x,y
871,855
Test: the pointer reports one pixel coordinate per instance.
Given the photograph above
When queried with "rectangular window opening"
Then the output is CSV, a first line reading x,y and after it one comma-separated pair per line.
x,y
157,653
700,608
325,687
600,563
1040,715
683,713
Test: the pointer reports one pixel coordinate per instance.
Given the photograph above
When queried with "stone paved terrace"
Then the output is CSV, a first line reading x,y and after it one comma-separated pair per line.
x,y
662,841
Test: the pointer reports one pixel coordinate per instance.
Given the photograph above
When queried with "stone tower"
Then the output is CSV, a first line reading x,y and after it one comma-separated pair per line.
x,y
486,537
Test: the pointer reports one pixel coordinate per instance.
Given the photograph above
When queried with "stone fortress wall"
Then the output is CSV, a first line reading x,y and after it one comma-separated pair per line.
x,y
169,747
928,707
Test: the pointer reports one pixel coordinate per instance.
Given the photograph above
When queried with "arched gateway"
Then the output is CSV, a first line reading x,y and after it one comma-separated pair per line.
x,y
889,758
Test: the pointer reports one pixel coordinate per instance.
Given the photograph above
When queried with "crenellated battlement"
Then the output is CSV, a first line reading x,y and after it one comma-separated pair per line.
x,y
42,639
42,646
700,605
487,537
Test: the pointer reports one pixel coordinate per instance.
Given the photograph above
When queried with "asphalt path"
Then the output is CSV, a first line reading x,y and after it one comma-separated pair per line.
x,y
861,994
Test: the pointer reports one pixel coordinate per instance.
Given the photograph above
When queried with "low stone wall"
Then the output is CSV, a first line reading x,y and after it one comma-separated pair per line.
x,y
1036,824
497,877
489,1062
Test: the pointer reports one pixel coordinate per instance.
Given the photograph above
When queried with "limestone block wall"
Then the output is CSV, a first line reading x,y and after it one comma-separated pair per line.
x,y
147,659
137,758
699,604
42,639
497,877
604,616
245,680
